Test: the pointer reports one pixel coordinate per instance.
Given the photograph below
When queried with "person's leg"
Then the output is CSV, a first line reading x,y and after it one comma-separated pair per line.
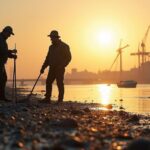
x,y
49,81
60,83
3,80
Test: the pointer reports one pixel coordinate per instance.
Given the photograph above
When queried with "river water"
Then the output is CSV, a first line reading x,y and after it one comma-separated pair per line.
x,y
135,100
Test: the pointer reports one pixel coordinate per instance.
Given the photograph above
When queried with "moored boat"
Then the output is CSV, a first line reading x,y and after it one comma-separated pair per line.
x,y
127,84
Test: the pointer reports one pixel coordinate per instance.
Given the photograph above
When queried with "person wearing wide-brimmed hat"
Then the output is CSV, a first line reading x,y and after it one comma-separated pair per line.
x,y
5,53
57,59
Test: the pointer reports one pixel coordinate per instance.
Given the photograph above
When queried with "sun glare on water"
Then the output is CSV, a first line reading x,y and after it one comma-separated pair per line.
x,y
104,94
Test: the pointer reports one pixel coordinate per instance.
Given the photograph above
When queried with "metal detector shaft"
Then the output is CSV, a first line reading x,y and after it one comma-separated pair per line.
x,y
34,86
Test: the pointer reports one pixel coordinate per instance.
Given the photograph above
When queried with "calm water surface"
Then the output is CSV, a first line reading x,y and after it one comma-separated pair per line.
x,y
135,100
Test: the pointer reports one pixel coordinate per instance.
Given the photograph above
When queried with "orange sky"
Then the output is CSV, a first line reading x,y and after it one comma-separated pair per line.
x,y
80,24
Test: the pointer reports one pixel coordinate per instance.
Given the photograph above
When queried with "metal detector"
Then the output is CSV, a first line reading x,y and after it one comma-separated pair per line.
x,y
28,98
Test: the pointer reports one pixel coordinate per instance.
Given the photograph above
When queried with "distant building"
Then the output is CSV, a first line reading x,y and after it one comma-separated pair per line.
x,y
141,75
82,76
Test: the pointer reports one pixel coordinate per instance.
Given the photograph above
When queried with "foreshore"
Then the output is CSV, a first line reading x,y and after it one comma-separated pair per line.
x,y
67,126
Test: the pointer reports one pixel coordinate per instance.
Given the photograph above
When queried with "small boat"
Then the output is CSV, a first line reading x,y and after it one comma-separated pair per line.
x,y
127,84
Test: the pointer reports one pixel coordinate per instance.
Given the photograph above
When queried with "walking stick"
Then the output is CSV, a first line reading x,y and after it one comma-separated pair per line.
x,y
15,85
14,89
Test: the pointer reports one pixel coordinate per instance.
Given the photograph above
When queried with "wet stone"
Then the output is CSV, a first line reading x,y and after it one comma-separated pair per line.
x,y
134,118
17,144
2,123
25,109
64,123
145,132
74,143
87,109
77,112
2,115
57,147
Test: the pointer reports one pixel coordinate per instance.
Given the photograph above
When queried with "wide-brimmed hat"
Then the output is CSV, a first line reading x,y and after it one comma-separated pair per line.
x,y
8,29
54,33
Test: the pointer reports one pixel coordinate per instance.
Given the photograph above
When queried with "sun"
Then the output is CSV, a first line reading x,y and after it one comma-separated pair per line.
x,y
105,37
102,39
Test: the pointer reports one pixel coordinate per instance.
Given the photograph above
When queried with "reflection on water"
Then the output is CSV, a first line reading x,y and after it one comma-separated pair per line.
x,y
132,99
104,93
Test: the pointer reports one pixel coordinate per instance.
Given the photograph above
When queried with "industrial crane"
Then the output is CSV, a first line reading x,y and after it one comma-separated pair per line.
x,y
145,38
142,54
119,54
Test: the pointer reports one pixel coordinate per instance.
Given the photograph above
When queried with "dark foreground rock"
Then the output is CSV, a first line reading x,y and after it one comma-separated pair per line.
x,y
69,126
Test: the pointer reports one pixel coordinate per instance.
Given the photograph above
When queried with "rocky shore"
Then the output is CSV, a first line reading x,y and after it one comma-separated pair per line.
x,y
68,126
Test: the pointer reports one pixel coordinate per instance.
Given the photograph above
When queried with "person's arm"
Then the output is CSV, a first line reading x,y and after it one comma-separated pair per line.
x,y
4,52
12,53
46,62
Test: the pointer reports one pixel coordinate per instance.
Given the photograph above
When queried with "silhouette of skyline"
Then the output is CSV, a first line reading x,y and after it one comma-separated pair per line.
x,y
141,75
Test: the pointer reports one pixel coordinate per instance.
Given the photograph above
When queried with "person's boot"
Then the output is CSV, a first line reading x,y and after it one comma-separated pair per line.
x,y
46,100
59,101
4,99
7,100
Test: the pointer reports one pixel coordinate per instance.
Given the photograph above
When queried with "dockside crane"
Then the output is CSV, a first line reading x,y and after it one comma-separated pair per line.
x,y
142,54
119,54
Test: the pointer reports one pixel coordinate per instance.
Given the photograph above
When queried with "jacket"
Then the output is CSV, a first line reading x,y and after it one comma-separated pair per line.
x,y
58,55
4,52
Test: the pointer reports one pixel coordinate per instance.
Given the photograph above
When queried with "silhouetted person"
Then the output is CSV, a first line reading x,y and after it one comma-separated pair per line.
x,y
5,53
57,59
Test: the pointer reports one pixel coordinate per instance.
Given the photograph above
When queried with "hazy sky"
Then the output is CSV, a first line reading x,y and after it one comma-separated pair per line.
x,y
92,28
